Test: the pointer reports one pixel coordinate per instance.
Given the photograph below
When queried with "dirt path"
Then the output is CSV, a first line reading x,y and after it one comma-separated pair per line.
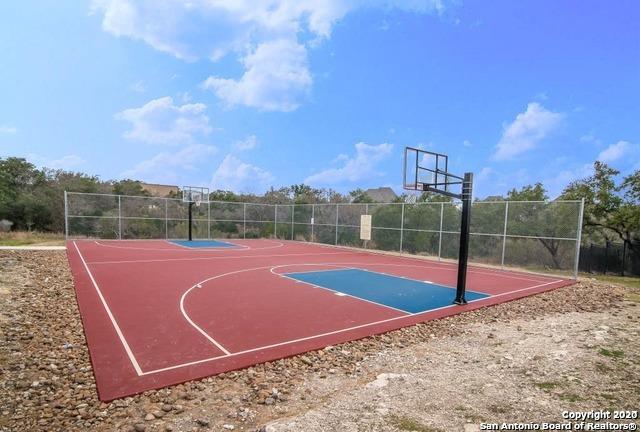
x,y
516,371
571,349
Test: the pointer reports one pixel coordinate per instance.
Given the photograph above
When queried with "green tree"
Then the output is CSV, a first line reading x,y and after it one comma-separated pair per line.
x,y
21,197
535,192
531,214
129,187
359,196
277,196
59,181
610,208
223,195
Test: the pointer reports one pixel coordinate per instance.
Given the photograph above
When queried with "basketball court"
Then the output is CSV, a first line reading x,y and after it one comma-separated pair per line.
x,y
159,312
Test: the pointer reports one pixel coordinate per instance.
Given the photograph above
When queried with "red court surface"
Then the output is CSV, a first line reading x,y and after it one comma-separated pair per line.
x,y
156,313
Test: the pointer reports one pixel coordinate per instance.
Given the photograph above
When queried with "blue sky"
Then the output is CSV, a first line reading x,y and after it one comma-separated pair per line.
x,y
247,95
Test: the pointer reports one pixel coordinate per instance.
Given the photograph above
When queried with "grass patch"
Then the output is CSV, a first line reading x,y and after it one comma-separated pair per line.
x,y
546,385
611,353
25,238
407,424
498,409
632,282
633,297
570,397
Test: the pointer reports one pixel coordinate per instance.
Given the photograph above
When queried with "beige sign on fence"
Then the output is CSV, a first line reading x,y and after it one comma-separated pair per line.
x,y
365,227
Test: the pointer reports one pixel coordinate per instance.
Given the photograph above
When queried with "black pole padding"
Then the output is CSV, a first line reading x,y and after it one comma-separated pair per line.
x,y
463,256
190,220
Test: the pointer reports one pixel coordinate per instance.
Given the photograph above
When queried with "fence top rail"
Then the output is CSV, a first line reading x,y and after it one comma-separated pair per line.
x,y
322,204
122,196
533,201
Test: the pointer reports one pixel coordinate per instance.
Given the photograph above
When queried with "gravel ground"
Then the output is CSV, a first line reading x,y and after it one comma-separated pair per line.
x,y
573,348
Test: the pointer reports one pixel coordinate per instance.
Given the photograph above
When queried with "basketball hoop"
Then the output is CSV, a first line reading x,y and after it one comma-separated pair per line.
x,y
194,195
427,171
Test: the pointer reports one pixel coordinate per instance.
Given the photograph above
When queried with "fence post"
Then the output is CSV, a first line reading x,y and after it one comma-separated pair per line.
x,y
275,223
366,211
244,220
166,218
337,211
504,232
119,217
293,211
401,226
440,239
313,220
579,240
208,219
66,216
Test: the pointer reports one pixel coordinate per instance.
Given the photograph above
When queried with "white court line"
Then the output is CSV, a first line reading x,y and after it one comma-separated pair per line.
x,y
185,248
364,270
427,267
132,358
216,258
443,263
427,282
139,371
332,290
526,289
289,342
194,325
176,247
271,267
210,248
424,265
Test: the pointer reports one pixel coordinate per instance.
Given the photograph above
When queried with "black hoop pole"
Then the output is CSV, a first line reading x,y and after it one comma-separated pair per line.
x,y
467,190
190,219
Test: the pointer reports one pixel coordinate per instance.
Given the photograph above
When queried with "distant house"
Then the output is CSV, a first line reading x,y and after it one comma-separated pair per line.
x,y
159,190
381,194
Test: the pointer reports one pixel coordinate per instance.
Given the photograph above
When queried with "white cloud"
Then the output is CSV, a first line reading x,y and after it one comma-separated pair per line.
x,y
276,78
615,152
66,162
193,29
466,143
139,87
161,122
253,29
527,131
341,157
360,167
238,176
484,173
9,130
588,138
167,167
249,143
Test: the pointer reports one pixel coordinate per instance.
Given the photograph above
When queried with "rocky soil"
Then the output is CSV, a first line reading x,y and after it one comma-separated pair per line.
x,y
574,348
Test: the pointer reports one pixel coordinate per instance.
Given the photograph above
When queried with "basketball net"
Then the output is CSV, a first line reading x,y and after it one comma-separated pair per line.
x,y
411,197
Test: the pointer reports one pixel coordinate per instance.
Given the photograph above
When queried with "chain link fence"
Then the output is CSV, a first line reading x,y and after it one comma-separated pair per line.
x,y
532,235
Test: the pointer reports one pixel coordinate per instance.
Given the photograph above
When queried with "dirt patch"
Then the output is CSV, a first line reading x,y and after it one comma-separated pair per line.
x,y
527,359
